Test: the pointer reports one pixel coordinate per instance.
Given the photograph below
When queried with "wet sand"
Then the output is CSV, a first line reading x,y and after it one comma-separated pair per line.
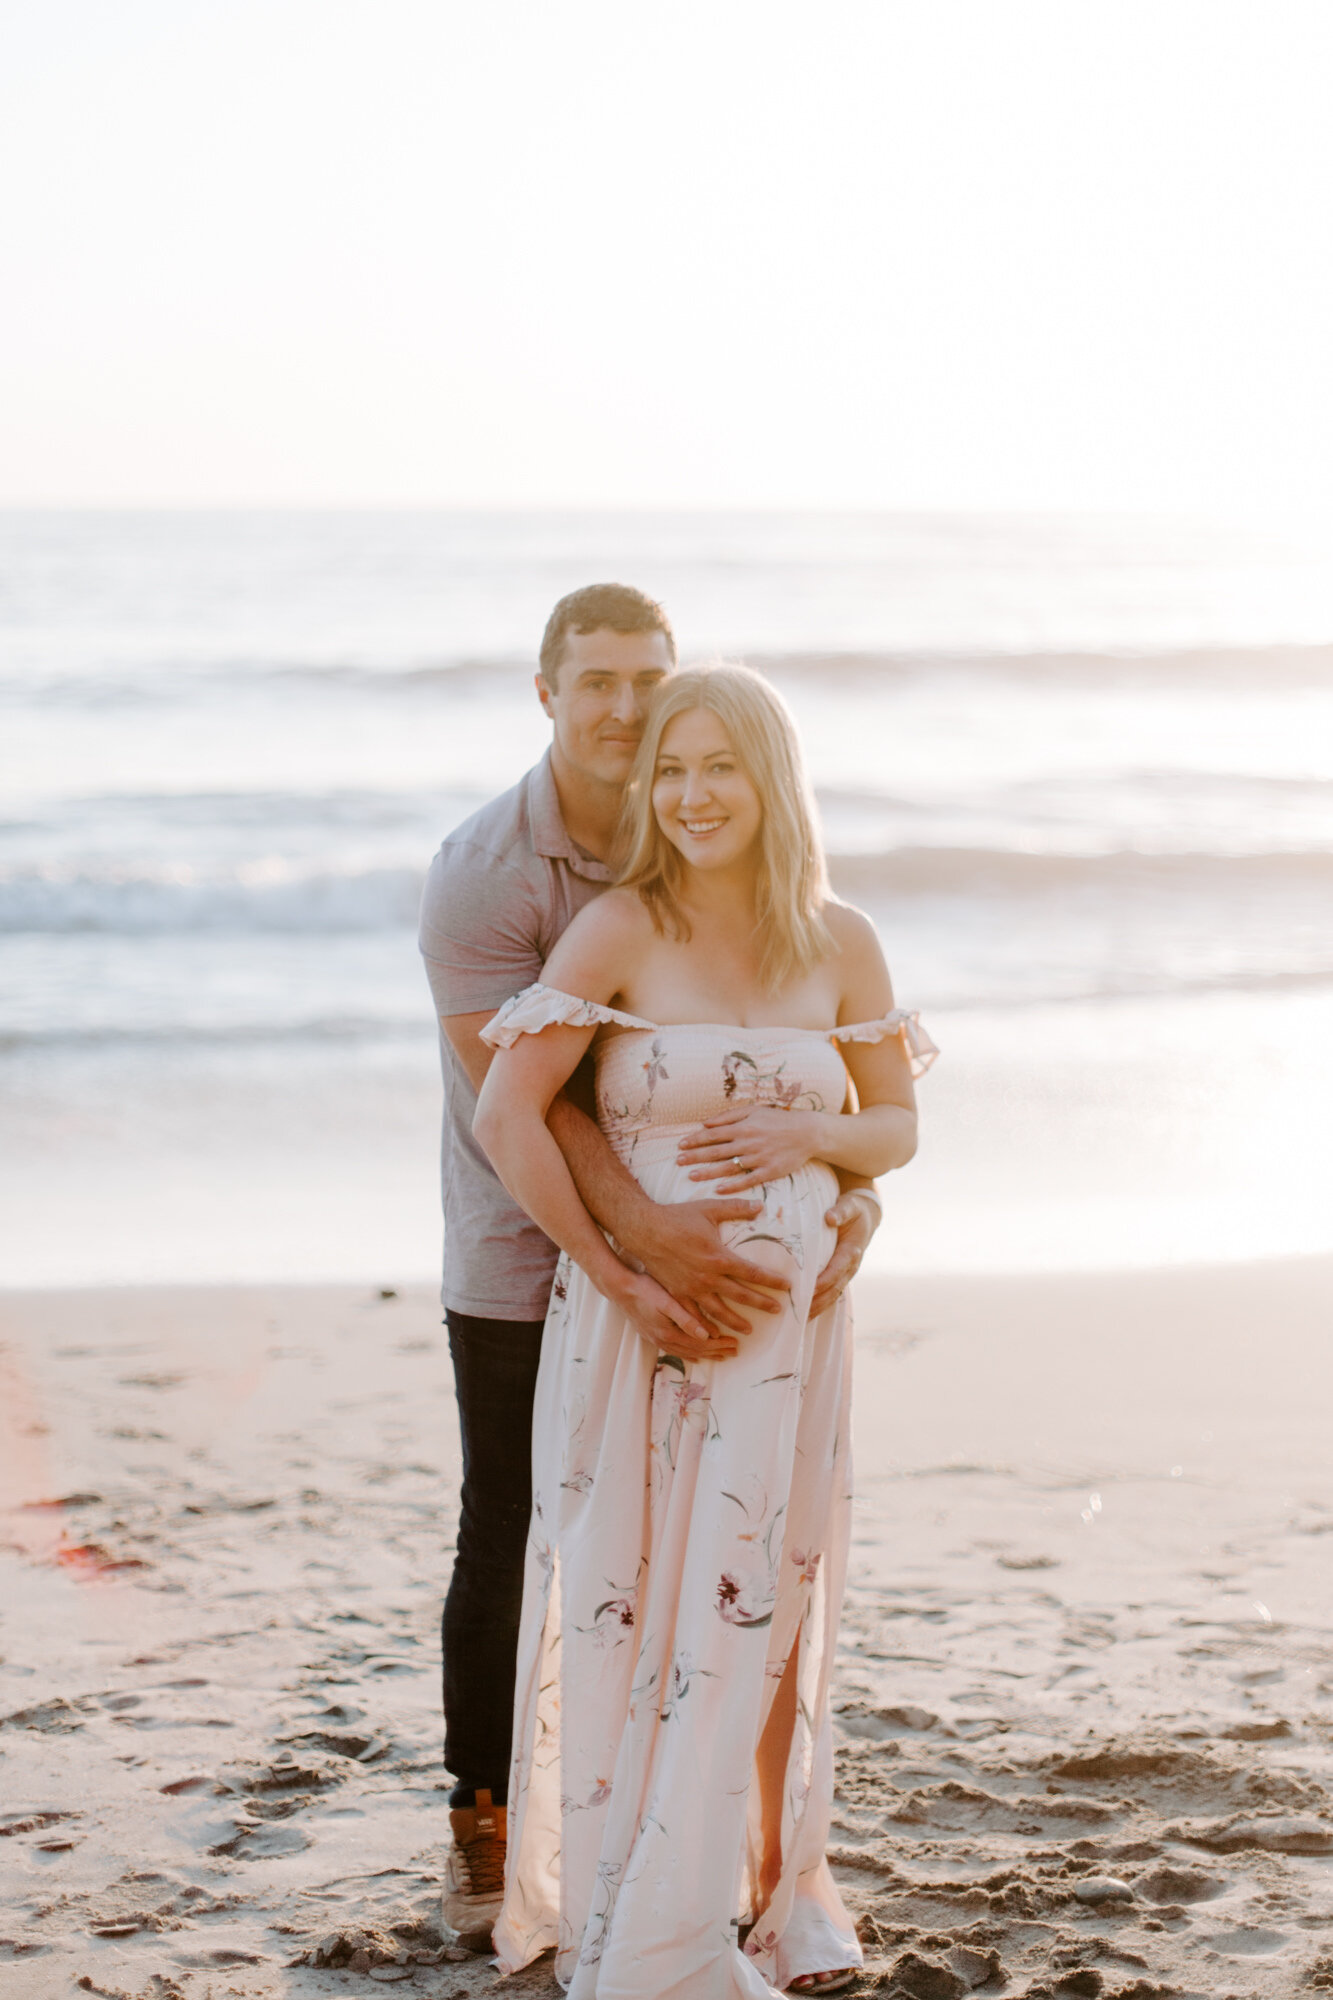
x,y
1086,1681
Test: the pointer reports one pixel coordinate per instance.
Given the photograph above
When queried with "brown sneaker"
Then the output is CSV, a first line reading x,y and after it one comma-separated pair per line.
x,y
474,1873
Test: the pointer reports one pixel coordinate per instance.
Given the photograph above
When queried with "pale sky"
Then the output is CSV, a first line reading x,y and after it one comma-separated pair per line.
x,y
947,253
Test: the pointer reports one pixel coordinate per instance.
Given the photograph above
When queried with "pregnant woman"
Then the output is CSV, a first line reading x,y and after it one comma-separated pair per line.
x,y
673,1766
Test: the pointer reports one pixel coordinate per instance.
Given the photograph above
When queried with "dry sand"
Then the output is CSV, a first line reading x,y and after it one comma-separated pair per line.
x,y
1086,1684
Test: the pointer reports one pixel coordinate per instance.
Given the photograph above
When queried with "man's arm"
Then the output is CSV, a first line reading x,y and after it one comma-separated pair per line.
x,y
678,1243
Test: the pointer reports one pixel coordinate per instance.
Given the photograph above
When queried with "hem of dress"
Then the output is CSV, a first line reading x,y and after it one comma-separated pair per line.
x,y
837,1951
508,1967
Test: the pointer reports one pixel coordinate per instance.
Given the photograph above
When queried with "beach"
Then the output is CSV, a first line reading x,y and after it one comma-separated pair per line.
x,y
1077,771
1085,1686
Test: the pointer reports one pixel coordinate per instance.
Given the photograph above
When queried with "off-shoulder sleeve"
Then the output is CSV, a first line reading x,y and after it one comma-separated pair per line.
x,y
917,1045
538,1007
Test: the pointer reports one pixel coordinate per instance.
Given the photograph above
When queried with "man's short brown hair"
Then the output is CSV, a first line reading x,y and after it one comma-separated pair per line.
x,y
598,607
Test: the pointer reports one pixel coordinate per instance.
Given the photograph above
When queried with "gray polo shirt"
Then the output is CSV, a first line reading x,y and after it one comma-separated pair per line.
x,y
499,893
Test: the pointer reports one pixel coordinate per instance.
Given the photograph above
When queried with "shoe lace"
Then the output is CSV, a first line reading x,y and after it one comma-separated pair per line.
x,y
484,1859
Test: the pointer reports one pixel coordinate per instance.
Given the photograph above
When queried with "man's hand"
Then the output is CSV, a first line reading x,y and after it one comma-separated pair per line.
x,y
856,1222
667,1327
680,1244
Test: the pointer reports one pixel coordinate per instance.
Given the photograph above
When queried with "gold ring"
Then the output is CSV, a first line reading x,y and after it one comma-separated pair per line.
x,y
738,1163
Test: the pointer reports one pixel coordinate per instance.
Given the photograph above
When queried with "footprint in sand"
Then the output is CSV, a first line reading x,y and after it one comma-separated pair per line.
x,y
250,1841
1179,1885
1247,1943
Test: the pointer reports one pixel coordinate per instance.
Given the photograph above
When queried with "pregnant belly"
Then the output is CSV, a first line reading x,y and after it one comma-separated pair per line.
x,y
789,1236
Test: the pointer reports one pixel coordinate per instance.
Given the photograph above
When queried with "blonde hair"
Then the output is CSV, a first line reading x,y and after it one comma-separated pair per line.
x,y
793,881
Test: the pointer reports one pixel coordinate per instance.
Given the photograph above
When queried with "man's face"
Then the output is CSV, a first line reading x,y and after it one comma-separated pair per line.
x,y
603,687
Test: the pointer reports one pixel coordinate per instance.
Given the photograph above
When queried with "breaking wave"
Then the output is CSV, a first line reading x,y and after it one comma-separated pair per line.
x,y
286,898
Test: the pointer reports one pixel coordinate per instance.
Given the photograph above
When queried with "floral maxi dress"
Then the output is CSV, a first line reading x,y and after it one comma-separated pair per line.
x,y
689,1528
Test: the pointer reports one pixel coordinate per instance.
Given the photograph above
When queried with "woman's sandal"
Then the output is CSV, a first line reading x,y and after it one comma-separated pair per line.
x,y
823,1982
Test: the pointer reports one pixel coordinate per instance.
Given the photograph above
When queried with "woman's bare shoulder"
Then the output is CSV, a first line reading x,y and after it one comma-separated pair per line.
x,y
851,929
863,977
602,942
617,914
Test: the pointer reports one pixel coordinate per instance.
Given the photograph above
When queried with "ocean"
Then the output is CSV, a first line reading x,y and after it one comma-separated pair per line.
x,y
1080,772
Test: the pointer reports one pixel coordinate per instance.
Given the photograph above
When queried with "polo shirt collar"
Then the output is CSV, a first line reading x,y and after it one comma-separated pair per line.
x,y
549,834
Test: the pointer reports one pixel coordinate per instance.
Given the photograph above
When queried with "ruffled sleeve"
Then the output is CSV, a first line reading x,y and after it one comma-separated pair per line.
x,y
917,1045
538,1007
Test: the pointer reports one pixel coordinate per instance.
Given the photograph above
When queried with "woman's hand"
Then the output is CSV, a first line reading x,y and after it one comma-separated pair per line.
x,y
755,1144
856,1215
667,1327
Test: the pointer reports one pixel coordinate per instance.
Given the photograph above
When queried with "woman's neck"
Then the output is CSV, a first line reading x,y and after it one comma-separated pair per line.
x,y
719,895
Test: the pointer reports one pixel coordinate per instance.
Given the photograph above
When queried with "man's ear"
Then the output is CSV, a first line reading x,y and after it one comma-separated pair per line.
x,y
543,688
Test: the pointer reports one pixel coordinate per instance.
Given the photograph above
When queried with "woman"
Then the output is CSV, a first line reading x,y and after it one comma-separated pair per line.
x,y
673,1748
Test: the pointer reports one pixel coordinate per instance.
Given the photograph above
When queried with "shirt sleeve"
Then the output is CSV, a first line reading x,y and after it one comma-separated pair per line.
x,y
480,930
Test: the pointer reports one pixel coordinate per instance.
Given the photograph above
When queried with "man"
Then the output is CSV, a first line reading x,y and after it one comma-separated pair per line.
x,y
499,893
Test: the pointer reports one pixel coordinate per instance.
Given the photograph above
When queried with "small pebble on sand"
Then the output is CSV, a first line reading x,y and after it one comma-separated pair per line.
x,y
1098,1889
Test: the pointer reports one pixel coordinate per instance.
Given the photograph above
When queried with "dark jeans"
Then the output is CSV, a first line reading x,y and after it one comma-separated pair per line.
x,y
495,1374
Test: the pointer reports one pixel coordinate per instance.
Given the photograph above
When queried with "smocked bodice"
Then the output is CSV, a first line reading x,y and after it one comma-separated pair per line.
x,y
676,1076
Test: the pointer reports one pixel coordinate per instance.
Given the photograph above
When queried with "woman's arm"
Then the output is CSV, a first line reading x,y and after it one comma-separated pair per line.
x,y
879,1136
510,1125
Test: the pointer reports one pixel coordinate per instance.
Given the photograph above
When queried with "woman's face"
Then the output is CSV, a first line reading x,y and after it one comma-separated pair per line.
x,y
703,797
